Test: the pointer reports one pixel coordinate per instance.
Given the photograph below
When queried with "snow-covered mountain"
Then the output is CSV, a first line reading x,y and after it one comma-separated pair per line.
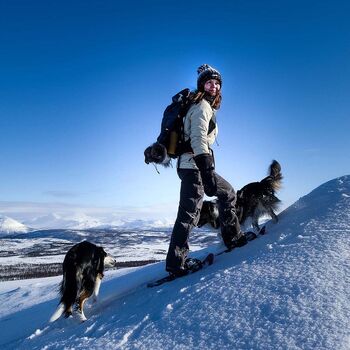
x,y
78,221
142,224
289,289
81,221
9,226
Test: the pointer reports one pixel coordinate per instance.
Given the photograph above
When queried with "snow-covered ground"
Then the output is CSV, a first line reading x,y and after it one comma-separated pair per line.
x,y
288,289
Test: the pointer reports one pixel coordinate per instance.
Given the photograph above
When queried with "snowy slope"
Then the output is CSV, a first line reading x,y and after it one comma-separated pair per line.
x,y
9,225
288,289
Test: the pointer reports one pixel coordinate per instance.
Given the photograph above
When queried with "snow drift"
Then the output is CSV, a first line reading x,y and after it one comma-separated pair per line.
x,y
288,289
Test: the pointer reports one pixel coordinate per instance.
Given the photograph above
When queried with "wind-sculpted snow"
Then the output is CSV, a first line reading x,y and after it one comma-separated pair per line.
x,y
288,290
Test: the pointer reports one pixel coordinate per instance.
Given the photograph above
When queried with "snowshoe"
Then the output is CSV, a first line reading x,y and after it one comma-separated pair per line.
x,y
250,235
192,265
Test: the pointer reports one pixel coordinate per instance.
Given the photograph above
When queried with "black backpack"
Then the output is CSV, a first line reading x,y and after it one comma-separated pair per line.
x,y
172,128
171,140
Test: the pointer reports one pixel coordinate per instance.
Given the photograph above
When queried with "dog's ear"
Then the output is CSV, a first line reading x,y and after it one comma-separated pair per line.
x,y
101,254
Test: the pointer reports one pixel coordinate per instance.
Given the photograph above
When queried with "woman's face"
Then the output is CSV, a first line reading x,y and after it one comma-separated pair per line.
x,y
212,87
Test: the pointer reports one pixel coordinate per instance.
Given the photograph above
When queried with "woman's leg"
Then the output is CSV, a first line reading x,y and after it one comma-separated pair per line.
x,y
229,223
191,199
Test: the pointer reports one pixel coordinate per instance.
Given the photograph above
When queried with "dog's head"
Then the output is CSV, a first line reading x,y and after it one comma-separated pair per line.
x,y
109,261
103,260
209,214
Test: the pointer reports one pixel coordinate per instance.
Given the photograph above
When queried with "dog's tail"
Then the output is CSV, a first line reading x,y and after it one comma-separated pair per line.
x,y
58,313
275,177
68,291
68,288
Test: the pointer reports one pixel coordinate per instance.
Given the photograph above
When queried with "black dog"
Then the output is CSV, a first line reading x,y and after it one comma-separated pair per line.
x,y
253,200
83,268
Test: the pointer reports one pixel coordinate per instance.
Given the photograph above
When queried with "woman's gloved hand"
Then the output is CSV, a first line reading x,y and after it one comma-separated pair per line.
x,y
205,164
156,153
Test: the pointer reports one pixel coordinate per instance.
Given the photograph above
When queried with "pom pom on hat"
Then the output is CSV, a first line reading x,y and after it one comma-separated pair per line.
x,y
205,73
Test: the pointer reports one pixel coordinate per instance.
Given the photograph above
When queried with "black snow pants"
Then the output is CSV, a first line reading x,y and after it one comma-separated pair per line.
x,y
191,200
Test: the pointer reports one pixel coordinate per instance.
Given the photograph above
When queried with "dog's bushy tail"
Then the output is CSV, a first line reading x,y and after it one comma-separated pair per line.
x,y
275,176
69,289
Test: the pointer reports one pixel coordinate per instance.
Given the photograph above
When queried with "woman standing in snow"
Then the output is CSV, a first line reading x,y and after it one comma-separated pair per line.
x,y
196,170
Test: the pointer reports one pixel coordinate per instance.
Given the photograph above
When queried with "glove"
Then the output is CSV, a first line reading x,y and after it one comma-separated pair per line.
x,y
205,164
156,153
148,155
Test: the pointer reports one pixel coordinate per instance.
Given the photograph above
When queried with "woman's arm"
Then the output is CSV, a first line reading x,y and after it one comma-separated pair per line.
x,y
200,118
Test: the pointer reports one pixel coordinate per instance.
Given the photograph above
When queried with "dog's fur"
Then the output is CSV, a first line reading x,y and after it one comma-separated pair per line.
x,y
209,214
253,201
83,268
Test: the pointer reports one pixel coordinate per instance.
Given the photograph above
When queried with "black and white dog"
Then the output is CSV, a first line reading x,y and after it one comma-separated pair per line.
x,y
209,214
83,268
253,201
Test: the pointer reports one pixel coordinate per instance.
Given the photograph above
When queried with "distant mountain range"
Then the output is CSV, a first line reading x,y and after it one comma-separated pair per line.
x,y
77,222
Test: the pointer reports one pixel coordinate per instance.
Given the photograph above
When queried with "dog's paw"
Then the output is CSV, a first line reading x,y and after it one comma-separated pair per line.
x,y
82,317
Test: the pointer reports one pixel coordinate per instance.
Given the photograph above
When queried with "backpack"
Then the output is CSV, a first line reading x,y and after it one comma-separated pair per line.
x,y
172,128
171,140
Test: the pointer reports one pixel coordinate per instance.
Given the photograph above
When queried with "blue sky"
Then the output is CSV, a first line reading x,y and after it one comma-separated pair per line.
x,y
83,86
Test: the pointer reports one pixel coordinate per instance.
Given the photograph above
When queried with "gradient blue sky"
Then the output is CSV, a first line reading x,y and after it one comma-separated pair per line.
x,y
83,85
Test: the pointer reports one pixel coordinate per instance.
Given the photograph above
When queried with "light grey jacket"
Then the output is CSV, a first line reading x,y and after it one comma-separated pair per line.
x,y
196,125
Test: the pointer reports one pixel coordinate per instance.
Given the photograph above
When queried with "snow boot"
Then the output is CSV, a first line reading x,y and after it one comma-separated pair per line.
x,y
193,264
237,241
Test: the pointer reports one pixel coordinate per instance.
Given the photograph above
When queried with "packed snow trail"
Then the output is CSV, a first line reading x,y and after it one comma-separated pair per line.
x,y
288,290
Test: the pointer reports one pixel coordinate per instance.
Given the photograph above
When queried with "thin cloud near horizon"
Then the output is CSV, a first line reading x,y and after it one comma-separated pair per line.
x,y
62,194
